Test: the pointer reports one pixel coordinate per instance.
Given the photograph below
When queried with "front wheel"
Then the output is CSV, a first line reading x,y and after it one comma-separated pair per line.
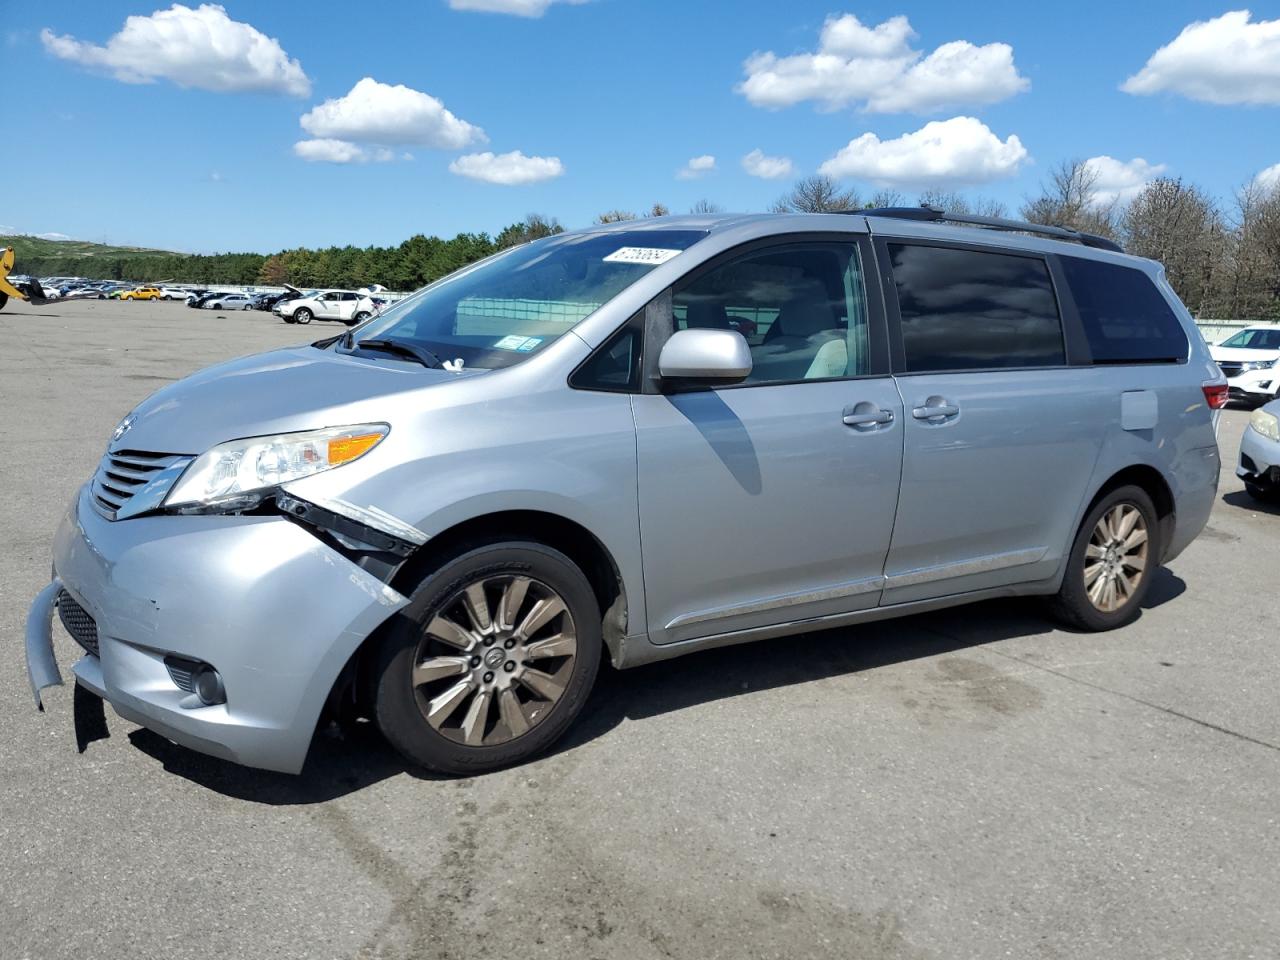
x,y
1113,559
492,659
302,315
1263,494
362,316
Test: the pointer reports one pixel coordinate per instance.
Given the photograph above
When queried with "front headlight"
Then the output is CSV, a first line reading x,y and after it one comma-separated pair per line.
x,y
1267,424
243,469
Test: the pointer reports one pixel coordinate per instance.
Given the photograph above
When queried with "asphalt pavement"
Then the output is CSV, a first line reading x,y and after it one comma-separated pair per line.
x,y
973,783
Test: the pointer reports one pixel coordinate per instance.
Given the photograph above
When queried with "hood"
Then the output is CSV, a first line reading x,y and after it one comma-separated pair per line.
x,y
1242,353
300,388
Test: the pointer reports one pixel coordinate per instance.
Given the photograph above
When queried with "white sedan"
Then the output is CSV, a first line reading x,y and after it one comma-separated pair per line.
x,y
1250,360
230,301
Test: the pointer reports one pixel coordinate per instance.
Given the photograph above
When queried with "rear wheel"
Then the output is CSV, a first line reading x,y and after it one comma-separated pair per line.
x,y
362,316
1113,559
302,315
491,661
4,298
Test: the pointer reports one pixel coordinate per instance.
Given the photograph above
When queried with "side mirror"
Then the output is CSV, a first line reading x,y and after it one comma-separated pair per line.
x,y
719,355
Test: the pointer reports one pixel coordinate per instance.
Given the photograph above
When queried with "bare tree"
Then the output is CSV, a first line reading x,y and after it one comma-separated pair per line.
x,y
658,210
615,216
817,194
1069,198
706,206
1179,225
534,227
885,197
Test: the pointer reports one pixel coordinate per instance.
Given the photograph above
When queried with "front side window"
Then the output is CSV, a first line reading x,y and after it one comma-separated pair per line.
x,y
1125,317
499,311
974,310
801,307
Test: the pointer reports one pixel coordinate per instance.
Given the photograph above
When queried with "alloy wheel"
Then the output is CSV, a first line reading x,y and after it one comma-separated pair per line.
x,y
494,660
1115,560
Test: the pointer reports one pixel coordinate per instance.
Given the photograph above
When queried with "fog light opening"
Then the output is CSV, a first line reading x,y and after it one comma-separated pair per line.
x,y
207,685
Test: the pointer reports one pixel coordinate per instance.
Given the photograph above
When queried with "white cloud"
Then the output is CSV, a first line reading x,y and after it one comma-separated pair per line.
x,y
52,236
519,8
942,153
325,150
1118,180
201,48
1269,179
507,169
766,168
380,113
876,68
1224,60
697,167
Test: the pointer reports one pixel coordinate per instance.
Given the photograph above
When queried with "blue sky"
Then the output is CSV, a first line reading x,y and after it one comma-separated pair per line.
x,y
605,101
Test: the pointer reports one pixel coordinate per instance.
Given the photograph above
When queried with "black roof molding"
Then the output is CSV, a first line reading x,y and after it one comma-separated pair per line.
x,y
927,214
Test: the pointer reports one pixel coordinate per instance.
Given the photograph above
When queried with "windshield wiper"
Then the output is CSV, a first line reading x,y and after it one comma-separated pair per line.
x,y
404,349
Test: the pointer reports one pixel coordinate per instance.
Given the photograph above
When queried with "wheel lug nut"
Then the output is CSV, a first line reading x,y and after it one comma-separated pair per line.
x,y
509,644
488,641
475,661
488,677
509,666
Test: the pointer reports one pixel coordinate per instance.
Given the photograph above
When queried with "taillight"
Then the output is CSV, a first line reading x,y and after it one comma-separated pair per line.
x,y
1216,395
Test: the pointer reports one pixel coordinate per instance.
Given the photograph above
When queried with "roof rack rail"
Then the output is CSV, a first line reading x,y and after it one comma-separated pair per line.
x,y
928,214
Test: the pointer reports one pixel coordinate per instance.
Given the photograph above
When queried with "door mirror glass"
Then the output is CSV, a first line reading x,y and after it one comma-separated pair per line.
x,y
719,355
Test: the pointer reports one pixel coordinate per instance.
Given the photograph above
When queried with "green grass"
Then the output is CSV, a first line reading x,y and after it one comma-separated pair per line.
x,y
26,248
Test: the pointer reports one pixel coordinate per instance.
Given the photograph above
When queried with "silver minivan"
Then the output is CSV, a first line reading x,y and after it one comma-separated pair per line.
x,y
640,440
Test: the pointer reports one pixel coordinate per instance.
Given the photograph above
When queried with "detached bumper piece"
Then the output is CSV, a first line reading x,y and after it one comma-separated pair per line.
x,y
42,668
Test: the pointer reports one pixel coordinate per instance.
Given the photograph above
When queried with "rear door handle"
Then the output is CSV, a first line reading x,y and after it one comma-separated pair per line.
x,y
935,408
866,414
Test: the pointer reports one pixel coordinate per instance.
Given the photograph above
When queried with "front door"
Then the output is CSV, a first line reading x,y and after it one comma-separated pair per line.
x,y
772,501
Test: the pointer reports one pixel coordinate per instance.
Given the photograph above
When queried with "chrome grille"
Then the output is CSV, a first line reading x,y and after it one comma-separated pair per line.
x,y
124,473
78,623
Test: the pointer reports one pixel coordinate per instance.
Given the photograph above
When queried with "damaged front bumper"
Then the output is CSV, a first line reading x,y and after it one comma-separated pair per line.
x,y
274,609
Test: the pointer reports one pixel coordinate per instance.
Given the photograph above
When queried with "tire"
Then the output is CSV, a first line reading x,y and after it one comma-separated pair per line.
x,y
4,298
1077,603
490,687
302,315
362,316
1262,494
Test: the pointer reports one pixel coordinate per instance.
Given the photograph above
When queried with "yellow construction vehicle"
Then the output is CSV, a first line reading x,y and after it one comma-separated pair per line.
x,y
28,289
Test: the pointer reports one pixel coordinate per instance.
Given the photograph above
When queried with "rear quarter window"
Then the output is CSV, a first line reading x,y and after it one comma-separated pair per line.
x,y
1125,316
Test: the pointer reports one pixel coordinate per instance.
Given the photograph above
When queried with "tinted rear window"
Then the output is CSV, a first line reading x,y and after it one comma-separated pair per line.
x,y
971,310
1125,317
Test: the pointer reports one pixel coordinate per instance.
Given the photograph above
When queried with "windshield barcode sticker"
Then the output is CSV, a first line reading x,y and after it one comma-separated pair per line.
x,y
650,256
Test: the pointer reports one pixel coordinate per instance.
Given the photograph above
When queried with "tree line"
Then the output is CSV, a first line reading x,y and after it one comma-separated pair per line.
x,y
1223,260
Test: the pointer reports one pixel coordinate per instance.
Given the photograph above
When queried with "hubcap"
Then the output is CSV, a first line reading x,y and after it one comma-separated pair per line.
x,y
494,660
1115,561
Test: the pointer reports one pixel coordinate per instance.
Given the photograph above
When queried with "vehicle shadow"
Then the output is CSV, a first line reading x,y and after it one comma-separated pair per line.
x,y
1240,498
346,760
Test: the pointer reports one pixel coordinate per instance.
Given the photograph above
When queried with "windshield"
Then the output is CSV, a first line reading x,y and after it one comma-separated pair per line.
x,y
1255,340
501,310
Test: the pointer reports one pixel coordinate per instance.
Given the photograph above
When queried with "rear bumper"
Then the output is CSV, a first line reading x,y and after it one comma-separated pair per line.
x,y
269,606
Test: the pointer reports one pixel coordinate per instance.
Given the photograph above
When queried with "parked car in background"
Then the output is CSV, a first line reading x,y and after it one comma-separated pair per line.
x,y
1250,360
141,293
267,301
198,298
174,293
228,301
444,520
346,306
1259,464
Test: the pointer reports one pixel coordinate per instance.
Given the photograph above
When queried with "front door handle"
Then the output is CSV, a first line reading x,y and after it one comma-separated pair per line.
x,y
866,415
935,408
